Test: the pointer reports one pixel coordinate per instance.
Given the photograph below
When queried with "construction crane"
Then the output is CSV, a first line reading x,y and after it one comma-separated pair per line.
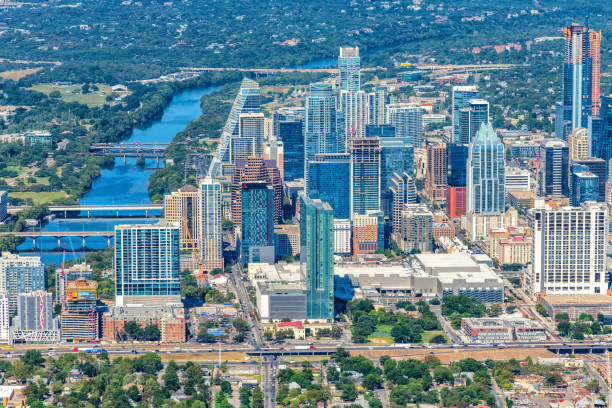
x,y
198,258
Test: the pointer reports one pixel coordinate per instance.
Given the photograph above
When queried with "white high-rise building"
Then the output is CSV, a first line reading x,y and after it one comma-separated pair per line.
x,y
569,249
408,121
210,225
250,138
355,107
342,236
376,106
5,337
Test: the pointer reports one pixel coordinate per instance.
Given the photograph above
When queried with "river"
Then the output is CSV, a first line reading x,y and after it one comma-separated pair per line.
x,y
127,184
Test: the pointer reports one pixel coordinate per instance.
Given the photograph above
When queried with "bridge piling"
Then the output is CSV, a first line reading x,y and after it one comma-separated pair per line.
x,y
33,243
59,242
84,243
125,160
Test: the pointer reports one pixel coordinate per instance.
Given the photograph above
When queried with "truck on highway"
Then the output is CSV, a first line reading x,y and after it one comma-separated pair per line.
x,y
298,347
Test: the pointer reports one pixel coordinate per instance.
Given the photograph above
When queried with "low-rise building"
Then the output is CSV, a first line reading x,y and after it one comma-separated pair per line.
x,y
521,199
477,226
501,330
170,320
276,302
575,305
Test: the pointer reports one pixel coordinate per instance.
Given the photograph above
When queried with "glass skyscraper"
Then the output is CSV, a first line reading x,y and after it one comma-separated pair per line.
x,y
470,118
396,156
147,264
289,128
407,120
349,65
584,185
600,129
554,168
456,180
329,178
257,233
581,74
486,173
365,175
461,96
247,101
321,125
210,225
317,257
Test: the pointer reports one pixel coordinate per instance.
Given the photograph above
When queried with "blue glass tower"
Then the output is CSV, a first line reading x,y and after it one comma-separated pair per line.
x,y
456,163
321,125
257,233
584,185
601,130
486,173
317,257
147,264
329,178
289,128
396,156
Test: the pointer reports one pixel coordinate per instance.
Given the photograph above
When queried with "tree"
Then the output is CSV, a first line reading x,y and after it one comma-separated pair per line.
x,y
151,333
170,377
205,337
32,359
442,374
349,391
495,310
593,386
332,374
372,381
541,310
133,330
245,396
564,327
226,387
257,398
438,339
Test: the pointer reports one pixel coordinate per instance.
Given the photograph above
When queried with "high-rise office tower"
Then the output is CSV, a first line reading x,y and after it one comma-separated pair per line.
x,y
20,274
563,120
396,156
35,311
581,73
147,264
289,129
210,225
461,96
65,275
436,178
250,138
329,179
365,175
183,207
554,168
321,125
79,318
274,149
380,131
403,191
456,180
349,64
486,173
471,117
584,185
600,130
376,106
578,142
251,170
257,229
407,120
247,101
598,167
569,249
317,257
355,110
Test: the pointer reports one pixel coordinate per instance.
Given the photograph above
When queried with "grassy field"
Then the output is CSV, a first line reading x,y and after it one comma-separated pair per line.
x,y
382,335
72,93
18,169
43,197
17,74
430,334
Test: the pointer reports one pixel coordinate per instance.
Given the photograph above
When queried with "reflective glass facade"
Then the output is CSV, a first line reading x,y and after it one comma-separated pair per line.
x,y
329,180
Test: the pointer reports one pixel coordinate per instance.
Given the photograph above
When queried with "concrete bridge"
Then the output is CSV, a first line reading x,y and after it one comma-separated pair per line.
x,y
34,235
116,208
125,150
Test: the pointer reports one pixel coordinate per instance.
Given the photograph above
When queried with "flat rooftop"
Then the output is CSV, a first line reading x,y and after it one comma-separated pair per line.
x,y
446,261
578,299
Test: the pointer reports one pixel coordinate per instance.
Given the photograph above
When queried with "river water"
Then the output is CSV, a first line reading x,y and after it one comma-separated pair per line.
x,y
127,184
